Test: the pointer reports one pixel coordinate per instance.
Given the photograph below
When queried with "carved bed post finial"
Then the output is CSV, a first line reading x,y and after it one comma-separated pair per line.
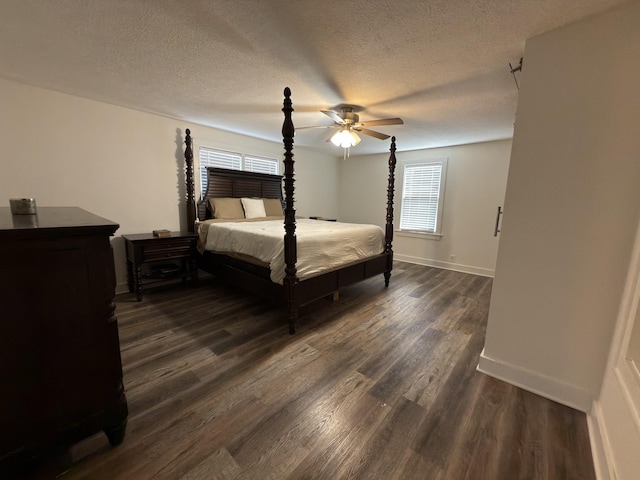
x,y
388,237
191,205
290,249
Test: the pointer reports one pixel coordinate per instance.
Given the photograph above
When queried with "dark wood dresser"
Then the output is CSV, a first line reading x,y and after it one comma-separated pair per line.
x,y
60,368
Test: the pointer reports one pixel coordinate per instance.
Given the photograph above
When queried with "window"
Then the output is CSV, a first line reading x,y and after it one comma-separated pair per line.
x,y
422,195
210,157
261,165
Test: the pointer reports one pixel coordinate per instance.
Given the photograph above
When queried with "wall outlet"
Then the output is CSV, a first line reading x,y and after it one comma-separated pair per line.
x,y
452,258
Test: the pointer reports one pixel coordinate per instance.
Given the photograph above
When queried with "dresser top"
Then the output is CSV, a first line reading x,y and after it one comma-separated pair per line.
x,y
52,220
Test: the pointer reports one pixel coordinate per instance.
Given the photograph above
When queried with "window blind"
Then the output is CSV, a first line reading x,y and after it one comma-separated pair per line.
x,y
421,197
261,164
210,157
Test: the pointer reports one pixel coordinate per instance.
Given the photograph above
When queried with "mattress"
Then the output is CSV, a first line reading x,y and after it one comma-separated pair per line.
x,y
321,246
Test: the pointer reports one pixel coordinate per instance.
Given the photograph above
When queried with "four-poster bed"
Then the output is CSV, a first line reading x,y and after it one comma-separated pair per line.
x,y
224,186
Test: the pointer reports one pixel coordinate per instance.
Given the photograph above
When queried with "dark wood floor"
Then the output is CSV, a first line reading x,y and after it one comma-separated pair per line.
x,y
380,384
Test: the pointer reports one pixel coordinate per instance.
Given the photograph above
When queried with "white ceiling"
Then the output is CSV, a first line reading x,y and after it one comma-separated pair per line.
x,y
440,65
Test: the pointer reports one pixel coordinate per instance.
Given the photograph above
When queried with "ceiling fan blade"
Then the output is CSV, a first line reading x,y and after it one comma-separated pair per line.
x,y
333,116
384,121
371,133
315,126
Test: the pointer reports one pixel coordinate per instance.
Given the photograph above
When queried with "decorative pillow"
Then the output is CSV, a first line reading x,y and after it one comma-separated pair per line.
x,y
225,207
272,207
253,207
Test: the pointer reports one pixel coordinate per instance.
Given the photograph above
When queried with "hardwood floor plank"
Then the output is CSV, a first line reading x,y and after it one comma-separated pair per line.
x,y
415,467
296,428
220,462
477,443
566,434
524,437
387,345
439,431
185,441
335,455
389,442
380,384
431,378
396,382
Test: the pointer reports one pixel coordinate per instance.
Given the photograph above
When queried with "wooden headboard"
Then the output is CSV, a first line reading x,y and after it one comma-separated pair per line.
x,y
222,182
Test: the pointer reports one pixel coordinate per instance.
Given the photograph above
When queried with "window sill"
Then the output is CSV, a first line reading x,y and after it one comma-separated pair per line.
x,y
429,236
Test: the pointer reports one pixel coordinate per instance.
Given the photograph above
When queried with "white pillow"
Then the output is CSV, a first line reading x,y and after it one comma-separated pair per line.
x,y
253,207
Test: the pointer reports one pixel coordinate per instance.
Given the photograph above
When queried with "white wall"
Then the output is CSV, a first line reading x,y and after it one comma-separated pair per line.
x,y
571,209
122,164
475,187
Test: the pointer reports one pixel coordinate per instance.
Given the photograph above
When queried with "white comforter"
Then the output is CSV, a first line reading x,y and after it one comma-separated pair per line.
x,y
321,245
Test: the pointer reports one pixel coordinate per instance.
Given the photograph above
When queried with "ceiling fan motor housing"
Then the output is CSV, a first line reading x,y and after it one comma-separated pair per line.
x,y
349,116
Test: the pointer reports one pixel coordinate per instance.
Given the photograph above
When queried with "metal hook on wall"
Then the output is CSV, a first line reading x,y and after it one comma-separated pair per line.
x,y
514,70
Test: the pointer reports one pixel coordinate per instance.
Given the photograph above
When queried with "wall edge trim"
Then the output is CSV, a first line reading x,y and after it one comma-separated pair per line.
x,y
567,394
485,272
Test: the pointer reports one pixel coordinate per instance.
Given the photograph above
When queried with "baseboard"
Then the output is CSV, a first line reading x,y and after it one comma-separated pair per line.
x,y
545,386
122,288
485,272
599,444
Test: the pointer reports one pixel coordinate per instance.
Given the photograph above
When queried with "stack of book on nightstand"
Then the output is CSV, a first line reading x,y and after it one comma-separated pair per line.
x,y
162,233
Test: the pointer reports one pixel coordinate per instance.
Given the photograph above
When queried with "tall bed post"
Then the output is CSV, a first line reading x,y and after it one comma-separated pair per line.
x,y
191,204
290,249
388,235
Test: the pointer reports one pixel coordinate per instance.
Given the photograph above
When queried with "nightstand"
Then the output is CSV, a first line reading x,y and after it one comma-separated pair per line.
x,y
146,249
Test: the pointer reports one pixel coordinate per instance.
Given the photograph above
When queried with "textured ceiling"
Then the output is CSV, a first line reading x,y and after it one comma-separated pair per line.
x,y
442,66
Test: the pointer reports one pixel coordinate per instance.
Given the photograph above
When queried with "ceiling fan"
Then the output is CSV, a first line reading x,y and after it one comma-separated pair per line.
x,y
348,123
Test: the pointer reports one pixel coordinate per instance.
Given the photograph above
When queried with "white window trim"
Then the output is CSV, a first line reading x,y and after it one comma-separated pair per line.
x,y
428,235
437,235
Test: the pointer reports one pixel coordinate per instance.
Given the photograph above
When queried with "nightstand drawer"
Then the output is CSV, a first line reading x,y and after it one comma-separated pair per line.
x,y
168,244
167,248
161,254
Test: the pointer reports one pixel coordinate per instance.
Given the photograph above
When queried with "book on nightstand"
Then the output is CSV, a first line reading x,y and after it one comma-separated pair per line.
x,y
162,233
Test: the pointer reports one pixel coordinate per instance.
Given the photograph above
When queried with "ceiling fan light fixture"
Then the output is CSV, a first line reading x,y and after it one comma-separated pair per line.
x,y
345,138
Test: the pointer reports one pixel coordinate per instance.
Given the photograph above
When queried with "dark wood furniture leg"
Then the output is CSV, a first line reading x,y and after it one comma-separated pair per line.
x,y
115,433
193,266
116,425
130,281
137,282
